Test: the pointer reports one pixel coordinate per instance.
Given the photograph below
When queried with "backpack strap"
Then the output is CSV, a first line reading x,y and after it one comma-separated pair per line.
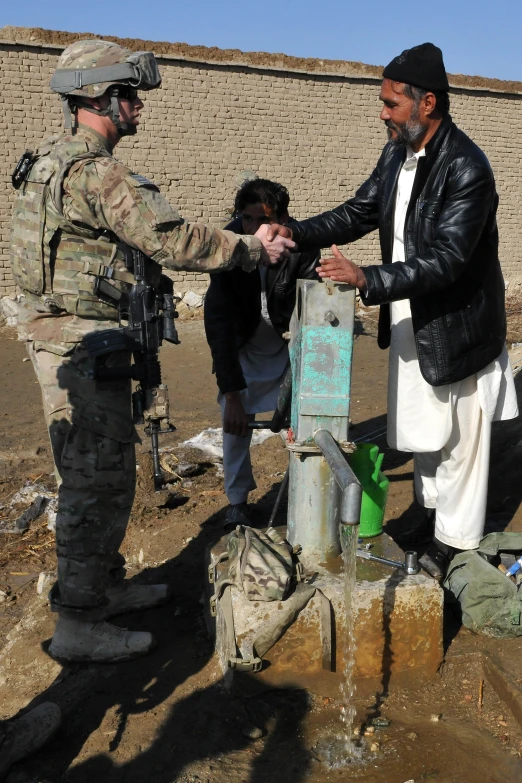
x,y
254,652
250,663
213,566
292,606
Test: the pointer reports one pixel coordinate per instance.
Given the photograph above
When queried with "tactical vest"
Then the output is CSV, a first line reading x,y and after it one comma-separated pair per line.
x,y
54,260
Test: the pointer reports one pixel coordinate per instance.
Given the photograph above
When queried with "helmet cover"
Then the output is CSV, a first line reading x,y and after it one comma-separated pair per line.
x,y
88,68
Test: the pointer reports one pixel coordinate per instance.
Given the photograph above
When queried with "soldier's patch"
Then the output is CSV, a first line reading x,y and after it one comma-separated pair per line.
x,y
143,182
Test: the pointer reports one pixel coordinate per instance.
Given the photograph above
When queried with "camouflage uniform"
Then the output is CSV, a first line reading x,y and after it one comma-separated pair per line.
x,y
87,203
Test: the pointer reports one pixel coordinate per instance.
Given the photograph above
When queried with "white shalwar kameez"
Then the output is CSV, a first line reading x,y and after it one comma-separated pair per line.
x,y
264,360
448,428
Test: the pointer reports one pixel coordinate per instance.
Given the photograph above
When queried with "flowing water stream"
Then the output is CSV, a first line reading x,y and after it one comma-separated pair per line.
x,y
344,748
349,536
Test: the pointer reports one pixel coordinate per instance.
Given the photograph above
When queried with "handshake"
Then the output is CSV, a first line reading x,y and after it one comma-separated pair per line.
x,y
277,243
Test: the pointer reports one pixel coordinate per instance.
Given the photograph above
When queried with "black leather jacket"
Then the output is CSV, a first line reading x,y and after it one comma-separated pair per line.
x,y
452,274
233,308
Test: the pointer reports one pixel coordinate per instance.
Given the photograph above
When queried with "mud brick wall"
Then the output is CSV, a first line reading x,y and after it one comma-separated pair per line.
x,y
319,134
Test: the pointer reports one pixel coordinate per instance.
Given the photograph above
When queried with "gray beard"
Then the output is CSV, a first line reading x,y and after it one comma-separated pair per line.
x,y
407,135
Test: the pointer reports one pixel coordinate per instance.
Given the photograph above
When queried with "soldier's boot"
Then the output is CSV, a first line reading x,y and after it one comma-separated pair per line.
x,y
85,641
131,597
27,734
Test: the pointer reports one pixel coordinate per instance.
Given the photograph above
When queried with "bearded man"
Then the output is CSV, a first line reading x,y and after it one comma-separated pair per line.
x,y
432,197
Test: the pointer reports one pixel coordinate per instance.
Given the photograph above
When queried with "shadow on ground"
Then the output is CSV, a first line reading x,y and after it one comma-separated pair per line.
x,y
177,727
169,723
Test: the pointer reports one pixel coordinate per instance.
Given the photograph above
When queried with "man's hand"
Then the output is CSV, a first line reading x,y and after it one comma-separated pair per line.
x,y
235,420
276,229
276,242
341,270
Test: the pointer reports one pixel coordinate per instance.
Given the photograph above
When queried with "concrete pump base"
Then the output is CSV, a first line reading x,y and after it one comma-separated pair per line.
x,y
398,628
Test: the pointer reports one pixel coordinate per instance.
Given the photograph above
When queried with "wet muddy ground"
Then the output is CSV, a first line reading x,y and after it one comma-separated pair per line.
x,y
167,717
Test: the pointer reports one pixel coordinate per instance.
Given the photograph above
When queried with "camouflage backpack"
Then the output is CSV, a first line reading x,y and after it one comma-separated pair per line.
x,y
264,567
260,564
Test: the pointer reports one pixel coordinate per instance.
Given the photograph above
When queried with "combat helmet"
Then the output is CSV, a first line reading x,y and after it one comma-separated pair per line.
x,y
93,67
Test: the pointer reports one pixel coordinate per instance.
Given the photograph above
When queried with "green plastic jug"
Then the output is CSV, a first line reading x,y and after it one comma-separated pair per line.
x,y
366,464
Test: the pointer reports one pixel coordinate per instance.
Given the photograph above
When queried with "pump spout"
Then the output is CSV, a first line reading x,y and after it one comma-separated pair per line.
x,y
344,475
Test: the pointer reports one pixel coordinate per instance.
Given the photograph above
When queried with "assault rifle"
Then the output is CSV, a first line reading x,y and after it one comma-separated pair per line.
x,y
149,311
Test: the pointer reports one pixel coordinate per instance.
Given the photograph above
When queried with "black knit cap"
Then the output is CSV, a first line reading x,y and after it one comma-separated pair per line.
x,y
421,66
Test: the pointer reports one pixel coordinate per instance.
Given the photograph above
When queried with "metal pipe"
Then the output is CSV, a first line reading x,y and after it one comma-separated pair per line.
x,y
283,403
410,566
344,475
159,480
282,488
411,563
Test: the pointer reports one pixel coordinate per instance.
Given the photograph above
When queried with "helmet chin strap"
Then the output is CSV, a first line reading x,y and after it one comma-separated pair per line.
x,y
112,111
123,128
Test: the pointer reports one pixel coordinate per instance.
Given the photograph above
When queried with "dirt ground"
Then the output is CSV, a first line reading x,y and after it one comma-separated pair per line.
x,y
168,717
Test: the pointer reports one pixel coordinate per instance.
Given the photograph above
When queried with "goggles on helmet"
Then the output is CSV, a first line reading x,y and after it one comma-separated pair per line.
x,y
140,70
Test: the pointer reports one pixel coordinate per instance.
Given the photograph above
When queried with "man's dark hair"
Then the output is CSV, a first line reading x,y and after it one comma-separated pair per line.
x,y
442,98
262,191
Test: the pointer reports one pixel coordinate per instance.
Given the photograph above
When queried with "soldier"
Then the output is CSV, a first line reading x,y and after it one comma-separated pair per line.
x,y
76,210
